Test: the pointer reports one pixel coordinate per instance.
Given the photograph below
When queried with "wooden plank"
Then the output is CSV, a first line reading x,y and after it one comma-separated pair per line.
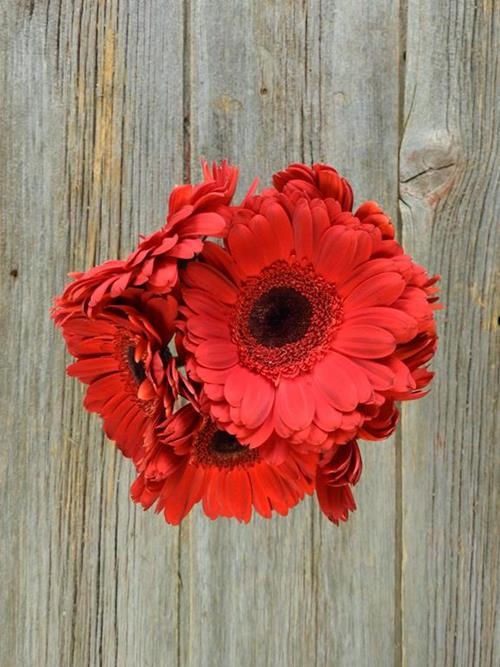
x,y
247,596
357,116
286,87
91,137
449,205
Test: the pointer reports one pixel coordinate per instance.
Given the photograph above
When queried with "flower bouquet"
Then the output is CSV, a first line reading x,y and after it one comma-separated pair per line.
x,y
240,352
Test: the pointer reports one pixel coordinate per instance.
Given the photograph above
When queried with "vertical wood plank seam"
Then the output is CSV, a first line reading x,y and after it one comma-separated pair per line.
x,y
116,582
122,127
179,590
79,75
69,393
49,550
320,69
95,107
305,88
109,22
314,581
77,584
98,575
314,563
58,36
187,155
186,89
306,157
398,459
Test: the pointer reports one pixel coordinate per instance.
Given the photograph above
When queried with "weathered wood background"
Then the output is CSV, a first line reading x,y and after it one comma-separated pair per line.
x,y
105,105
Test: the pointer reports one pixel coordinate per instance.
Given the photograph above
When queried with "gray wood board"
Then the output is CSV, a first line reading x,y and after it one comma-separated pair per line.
x,y
450,211
91,136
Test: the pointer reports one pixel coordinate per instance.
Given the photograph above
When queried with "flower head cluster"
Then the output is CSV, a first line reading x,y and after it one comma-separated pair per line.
x,y
240,374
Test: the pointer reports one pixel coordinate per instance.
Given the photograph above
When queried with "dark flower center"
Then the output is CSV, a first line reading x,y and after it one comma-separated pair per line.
x,y
225,443
216,448
280,316
284,320
136,367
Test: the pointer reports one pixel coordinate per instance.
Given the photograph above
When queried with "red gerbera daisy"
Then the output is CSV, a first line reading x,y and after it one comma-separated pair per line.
x,y
297,328
194,212
189,459
340,469
122,354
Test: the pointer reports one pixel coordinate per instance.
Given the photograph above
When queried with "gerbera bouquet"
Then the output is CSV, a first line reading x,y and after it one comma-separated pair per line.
x,y
240,373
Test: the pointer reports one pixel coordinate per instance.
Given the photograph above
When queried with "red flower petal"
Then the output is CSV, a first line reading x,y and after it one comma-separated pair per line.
x,y
303,231
402,326
217,354
238,494
244,247
212,281
335,501
294,403
203,303
208,327
381,290
236,383
88,370
257,401
340,251
366,342
280,224
380,374
267,247
333,378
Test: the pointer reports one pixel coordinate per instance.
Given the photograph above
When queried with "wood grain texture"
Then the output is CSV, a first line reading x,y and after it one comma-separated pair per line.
x,y
450,210
336,593
240,602
91,136
358,109
105,105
